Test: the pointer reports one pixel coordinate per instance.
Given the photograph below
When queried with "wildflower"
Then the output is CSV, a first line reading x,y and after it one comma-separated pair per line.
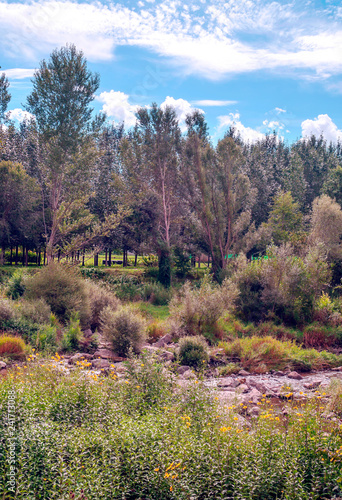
x,y
156,470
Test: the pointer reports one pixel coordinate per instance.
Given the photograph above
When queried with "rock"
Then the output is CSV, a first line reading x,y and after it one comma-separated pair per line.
x,y
87,333
279,374
108,354
100,363
80,356
163,341
253,396
328,416
243,373
2,365
182,369
312,385
228,382
243,388
254,411
295,376
166,356
338,369
189,374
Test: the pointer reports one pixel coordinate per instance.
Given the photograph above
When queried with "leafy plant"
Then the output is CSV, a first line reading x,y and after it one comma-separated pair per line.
x,y
16,284
193,351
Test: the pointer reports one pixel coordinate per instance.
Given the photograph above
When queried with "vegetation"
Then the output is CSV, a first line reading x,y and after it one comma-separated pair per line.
x,y
193,351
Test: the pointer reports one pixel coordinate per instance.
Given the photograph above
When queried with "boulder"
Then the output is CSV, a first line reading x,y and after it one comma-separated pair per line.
x,y
228,382
163,341
108,354
87,333
312,385
80,356
100,363
189,374
243,373
2,365
294,375
252,397
166,356
182,369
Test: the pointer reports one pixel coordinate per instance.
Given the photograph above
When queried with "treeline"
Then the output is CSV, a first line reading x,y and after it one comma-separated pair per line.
x,y
72,184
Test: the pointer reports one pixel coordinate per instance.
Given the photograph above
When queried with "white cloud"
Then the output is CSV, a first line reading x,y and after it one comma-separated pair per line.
x,y
182,108
117,106
213,39
247,133
280,110
18,73
322,125
19,115
212,102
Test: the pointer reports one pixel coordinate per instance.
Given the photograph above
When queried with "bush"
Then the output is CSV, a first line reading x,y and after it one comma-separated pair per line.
x,y
229,369
72,335
322,336
193,351
156,294
155,330
182,262
164,266
125,329
37,312
46,339
12,346
16,284
63,289
197,310
7,312
99,299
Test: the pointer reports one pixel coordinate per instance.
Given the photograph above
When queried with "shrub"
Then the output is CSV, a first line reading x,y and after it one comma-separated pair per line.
x,y
164,268
37,312
12,346
125,329
99,299
72,335
229,369
197,310
63,289
6,312
182,262
335,393
46,339
193,351
16,284
156,294
150,260
321,336
155,331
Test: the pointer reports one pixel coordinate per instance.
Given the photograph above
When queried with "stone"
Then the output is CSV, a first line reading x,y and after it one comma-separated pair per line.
x,y
253,396
100,363
254,411
108,354
279,373
166,356
80,356
87,333
189,374
243,373
163,341
243,388
312,385
228,382
295,375
337,369
2,365
182,369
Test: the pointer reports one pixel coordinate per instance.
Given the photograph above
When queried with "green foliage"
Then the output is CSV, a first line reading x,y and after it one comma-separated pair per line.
x,y
99,299
124,328
182,262
34,312
193,351
72,335
156,294
16,285
63,290
46,339
164,266
150,260
7,312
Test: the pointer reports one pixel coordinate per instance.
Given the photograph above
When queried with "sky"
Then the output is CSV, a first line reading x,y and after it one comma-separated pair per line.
x,y
261,65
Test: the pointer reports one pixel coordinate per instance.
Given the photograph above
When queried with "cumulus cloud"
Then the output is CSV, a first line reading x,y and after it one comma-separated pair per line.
x,y
210,38
117,106
279,110
322,125
247,133
182,108
19,115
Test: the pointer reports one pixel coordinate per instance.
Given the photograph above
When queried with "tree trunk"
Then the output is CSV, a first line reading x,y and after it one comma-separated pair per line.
x,y
23,256
106,256
110,257
136,259
83,257
16,254
26,257
44,256
96,260
39,257
2,259
59,255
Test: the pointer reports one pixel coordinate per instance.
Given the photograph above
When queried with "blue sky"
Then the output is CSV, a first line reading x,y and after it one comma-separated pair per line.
x,y
262,65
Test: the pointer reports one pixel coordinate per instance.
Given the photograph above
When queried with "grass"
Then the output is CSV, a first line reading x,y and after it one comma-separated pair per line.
x,y
140,438
152,311
261,354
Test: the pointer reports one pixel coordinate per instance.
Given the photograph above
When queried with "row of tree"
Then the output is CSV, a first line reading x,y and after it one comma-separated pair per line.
x,y
71,182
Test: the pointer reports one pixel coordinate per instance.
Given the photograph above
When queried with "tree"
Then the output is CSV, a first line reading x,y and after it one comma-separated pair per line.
x,y
5,96
218,192
63,89
333,184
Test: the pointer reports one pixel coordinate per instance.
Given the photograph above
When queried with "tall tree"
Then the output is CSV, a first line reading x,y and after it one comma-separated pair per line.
x,y
63,89
5,96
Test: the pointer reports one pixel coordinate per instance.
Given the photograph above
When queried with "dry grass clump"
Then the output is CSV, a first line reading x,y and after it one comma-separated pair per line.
x,y
12,346
99,299
261,354
124,328
6,311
